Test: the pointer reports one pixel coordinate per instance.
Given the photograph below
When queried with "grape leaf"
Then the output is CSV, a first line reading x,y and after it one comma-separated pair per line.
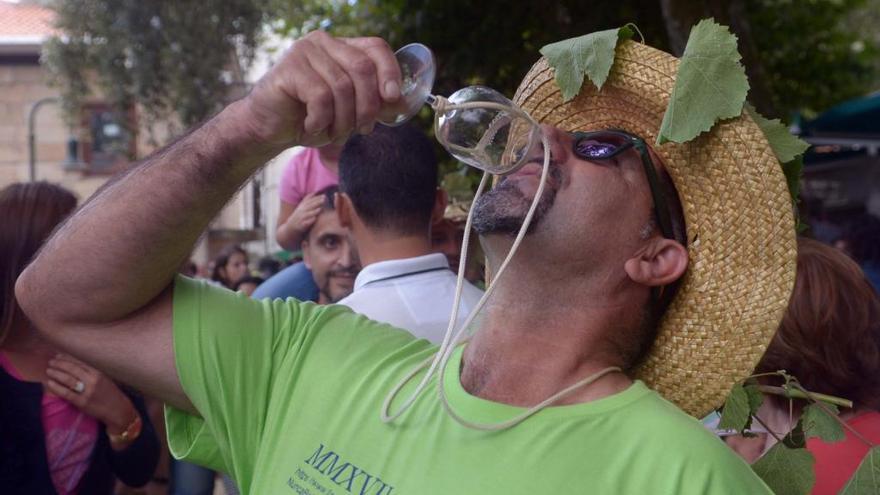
x,y
866,479
786,471
817,423
710,84
591,55
756,398
786,146
736,413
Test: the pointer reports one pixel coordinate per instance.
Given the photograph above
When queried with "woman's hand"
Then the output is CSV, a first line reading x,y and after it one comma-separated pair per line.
x,y
292,230
91,392
305,213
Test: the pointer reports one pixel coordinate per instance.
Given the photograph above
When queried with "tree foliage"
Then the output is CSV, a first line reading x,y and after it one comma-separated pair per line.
x,y
175,57
172,58
800,55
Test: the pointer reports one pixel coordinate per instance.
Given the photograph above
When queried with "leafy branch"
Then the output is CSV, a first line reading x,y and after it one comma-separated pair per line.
x,y
787,467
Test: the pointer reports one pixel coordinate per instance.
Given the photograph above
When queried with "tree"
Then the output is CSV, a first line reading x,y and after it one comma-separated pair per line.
x,y
174,59
799,54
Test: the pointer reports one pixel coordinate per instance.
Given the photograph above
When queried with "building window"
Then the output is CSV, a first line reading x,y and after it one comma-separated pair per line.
x,y
110,144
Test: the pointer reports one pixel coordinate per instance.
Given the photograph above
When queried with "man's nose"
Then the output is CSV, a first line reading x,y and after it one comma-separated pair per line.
x,y
346,258
557,139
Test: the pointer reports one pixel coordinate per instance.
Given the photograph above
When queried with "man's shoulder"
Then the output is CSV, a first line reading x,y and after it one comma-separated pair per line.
x,y
684,440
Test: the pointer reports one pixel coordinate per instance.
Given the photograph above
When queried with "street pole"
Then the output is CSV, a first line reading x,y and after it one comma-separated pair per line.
x,y
32,138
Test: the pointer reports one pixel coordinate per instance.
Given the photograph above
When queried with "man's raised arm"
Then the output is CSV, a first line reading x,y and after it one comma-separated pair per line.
x,y
112,306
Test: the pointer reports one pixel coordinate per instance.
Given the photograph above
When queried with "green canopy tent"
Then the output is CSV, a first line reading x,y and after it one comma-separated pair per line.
x,y
853,125
841,173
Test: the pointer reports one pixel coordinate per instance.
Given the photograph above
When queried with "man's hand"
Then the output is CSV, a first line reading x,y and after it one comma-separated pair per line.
x,y
322,90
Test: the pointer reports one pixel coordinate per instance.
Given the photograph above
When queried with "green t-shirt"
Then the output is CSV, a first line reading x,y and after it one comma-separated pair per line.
x,y
290,395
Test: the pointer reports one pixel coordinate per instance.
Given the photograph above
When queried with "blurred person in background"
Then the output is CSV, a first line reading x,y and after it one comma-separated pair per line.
x,y
389,199
330,261
304,177
268,266
248,285
230,266
64,427
829,340
329,253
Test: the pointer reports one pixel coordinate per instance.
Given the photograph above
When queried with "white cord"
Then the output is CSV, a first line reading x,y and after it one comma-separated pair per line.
x,y
442,355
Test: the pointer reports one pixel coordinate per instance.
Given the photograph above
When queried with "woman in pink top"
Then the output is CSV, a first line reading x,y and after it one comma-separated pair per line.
x,y
310,171
64,427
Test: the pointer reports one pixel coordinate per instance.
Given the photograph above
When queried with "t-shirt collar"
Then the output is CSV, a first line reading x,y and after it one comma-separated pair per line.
x,y
397,268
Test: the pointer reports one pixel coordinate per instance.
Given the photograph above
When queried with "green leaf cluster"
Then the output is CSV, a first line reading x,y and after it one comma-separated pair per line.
x,y
591,55
741,404
710,84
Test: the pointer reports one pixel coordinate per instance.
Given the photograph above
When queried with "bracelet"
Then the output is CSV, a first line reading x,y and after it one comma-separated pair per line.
x,y
130,434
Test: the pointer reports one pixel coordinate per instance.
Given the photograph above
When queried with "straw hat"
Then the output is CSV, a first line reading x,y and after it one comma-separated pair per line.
x,y
737,209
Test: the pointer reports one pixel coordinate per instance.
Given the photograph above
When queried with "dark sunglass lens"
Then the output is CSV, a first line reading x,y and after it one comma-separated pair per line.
x,y
590,148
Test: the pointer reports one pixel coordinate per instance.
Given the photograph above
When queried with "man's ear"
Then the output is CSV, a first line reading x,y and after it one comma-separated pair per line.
x,y
305,251
661,262
441,199
344,209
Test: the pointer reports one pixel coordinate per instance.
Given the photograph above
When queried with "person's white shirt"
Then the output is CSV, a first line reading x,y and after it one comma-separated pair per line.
x,y
415,294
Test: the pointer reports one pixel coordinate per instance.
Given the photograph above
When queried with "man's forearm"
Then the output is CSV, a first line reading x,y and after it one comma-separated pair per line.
x,y
144,225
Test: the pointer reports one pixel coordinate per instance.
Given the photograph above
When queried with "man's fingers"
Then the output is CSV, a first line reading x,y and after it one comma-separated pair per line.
x,y
299,80
387,70
363,74
337,79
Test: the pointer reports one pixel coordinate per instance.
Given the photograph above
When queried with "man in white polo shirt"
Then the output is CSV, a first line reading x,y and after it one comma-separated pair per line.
x,y
388,198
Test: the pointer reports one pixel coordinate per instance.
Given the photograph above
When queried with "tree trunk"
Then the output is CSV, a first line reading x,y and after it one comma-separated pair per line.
x,y
681,15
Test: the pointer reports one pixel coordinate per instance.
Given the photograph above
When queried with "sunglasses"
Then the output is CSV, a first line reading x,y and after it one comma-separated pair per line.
x,y
606,144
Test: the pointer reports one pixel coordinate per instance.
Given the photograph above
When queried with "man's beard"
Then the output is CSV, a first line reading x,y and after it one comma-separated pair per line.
x,y
503,209
325,289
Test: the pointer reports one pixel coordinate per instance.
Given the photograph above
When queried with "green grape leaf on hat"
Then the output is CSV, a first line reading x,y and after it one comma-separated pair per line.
x,y
591,55
786,146
710,84
866,479
786,471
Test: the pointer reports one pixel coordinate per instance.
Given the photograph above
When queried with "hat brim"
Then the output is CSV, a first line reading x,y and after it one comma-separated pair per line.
x,y
738,214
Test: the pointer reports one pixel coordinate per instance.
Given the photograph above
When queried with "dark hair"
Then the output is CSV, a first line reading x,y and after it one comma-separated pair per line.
x,y
329,194
222,259
28,214
829,338
391,177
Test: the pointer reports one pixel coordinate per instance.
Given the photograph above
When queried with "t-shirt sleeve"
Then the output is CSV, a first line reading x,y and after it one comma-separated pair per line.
x,y
291,190
226,348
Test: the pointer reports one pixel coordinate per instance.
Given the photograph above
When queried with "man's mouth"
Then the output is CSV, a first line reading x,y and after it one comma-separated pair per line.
x,y
345,275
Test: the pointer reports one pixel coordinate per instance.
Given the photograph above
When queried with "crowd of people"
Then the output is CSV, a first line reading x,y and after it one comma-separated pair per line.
x,y
628,299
